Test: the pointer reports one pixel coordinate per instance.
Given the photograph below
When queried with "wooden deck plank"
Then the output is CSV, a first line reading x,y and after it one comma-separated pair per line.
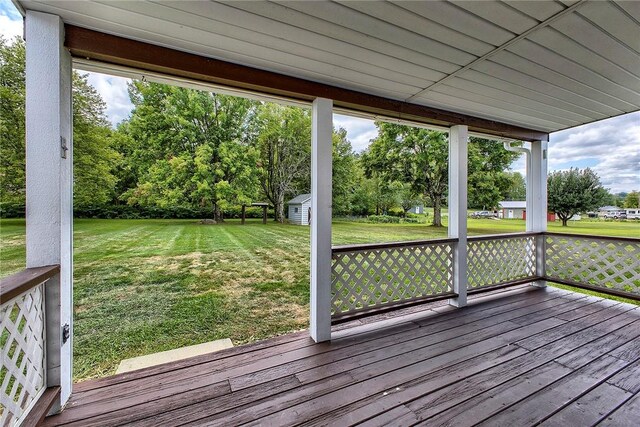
x,y
537,406
475,379
439,364
492,400
624,416
349,358
600,402
590,408
380,376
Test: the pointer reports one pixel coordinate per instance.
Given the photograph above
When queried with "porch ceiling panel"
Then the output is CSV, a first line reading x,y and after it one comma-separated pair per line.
x,y
538,65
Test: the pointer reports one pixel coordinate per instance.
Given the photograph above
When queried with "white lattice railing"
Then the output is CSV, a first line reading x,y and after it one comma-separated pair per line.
x,y
500,259
606,264
365,277
22,343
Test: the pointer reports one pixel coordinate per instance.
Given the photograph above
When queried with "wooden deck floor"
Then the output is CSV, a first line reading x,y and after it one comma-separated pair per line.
x,y
523,357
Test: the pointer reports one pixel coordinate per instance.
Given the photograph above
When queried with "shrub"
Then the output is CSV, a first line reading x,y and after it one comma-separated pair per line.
x,y
383,219
11,210
410,220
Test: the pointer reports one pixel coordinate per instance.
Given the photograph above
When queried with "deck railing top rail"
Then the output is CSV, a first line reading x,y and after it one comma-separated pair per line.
x,y
389,245
503,236
19,283
592,236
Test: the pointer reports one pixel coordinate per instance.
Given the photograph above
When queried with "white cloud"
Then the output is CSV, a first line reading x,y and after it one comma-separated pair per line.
x,y
10,20
610,147
113,91
359,131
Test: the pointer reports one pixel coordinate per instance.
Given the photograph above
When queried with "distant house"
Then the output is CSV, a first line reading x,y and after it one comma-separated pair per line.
x,y
513,209
517,209
417,209
300,209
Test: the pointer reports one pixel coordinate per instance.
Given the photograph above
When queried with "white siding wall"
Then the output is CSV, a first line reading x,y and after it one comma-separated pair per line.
x,y
301,217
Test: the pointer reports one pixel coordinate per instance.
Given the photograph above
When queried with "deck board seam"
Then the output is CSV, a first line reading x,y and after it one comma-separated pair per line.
x,y
590,389
440,368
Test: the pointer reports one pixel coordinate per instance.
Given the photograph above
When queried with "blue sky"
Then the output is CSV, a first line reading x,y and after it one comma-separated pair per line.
x,y
610,147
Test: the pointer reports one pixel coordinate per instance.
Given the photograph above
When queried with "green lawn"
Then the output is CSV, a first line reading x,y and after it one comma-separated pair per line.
x,y
143,286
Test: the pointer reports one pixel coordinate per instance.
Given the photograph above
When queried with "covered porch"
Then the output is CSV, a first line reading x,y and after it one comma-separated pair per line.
x,y
515,357
456,331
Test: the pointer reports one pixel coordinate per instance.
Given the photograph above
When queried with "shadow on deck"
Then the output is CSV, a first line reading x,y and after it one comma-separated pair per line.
x,y
517,357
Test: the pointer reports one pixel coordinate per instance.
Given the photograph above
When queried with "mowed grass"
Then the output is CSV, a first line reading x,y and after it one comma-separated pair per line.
x,y
143,286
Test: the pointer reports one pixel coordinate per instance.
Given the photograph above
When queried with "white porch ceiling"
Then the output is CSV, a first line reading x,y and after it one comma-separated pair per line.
x,y
540,65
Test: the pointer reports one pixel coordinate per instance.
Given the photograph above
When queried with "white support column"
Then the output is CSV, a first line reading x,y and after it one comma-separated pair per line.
x,y
458,149
321,183
537,201
49,184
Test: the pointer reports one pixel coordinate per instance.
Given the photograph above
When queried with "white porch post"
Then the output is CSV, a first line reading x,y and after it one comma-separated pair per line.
x,y
537,201
321,182
49,184
458,148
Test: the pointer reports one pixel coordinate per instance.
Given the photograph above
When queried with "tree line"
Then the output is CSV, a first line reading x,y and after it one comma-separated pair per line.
x,y
190,153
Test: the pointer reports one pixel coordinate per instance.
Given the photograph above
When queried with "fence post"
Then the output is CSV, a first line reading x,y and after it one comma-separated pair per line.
x,y
537,202
321,183
49,174
458,148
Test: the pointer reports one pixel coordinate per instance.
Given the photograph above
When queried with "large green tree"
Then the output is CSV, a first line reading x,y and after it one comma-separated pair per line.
x,y
189,148
283,139
632,200
93,155
574,191
516,189
413,155
345,173
12,133
420,157
489,180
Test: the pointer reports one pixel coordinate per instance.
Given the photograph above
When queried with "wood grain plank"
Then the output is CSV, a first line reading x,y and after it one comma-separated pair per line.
x,y
350,357
590,408
475,378
454,404
625,416
19,283
628,379
118,409
604,318
378,377
554,397
42,407
452,366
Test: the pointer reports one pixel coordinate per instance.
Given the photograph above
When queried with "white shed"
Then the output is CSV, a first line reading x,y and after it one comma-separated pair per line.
x,y
300,209
417,209
513,209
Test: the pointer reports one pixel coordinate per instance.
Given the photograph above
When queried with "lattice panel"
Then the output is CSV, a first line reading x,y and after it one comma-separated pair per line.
x,y
604,263
367,278
22,345
500,260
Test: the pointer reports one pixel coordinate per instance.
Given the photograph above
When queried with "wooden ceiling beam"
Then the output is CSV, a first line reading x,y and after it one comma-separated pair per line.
x,y
98,46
